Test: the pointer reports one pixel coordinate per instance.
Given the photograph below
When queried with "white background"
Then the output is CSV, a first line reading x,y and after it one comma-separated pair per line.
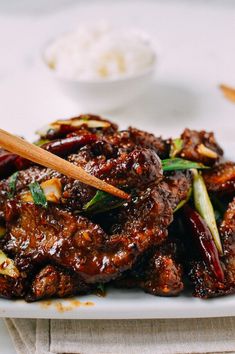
x,y
196,53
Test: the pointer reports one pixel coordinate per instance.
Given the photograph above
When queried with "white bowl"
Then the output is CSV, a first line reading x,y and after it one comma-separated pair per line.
x,y
104,94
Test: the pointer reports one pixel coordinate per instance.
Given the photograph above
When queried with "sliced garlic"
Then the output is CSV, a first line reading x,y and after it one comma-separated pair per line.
x,y
7,266
76,122
205,151
90,123
51,188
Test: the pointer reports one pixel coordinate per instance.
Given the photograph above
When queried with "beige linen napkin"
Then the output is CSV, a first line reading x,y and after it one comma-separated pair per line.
x,y
120,336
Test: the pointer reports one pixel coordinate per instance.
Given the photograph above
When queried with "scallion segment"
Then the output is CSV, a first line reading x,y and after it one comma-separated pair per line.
x,y
184,201
181,164
102,202
176,147
38,195
12,184
41,142
204,206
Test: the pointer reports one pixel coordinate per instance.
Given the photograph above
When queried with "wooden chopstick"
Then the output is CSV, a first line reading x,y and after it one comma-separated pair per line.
x,y
42,157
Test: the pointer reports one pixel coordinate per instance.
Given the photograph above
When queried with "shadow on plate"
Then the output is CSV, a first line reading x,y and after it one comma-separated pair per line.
x,y
163,103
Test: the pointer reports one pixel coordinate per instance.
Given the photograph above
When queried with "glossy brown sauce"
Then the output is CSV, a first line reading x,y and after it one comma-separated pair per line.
x,y
67,305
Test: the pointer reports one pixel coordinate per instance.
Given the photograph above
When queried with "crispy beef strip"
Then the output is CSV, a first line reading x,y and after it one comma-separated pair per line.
x,y
178,184
192,139
164,274
11,288
227,230
132,138
204,282
44,235
129,170
53,281
158,272
221,179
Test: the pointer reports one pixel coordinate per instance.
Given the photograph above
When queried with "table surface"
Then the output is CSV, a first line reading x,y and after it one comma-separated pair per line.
x,y
196,54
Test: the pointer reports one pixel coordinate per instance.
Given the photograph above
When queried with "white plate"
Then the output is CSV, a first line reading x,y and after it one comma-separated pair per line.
x,y
124,304
121,304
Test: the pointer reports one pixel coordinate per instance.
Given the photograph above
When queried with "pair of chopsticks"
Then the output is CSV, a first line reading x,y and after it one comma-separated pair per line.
x,y
42,157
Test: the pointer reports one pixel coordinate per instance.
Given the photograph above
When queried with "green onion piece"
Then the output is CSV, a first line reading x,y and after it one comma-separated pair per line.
x,y
180,164
7,266
204,207
38,195
12,184
184,201
41,142
102,202
176,147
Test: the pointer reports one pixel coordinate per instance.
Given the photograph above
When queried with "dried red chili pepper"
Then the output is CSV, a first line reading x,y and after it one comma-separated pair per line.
x,y
66,146
21,163
61,132
7,163
10,163
204,241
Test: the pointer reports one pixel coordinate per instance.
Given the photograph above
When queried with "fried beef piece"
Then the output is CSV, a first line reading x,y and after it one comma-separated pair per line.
x,y
147,140
227,230
133,138
11,288
205,283
134,169
192,146
157,273
53,281
178,184
163,275
221,179
75,242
